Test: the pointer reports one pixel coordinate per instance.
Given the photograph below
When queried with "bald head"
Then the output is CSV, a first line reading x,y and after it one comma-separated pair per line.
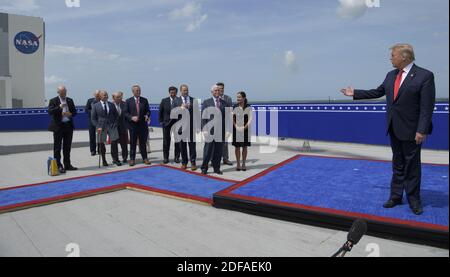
x,y
62,91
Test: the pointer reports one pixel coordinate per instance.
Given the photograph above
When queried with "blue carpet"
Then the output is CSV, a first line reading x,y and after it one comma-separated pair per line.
x,y
352,186
155,177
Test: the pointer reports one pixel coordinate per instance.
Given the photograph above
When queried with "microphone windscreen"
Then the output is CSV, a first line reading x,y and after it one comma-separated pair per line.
x,y
357,231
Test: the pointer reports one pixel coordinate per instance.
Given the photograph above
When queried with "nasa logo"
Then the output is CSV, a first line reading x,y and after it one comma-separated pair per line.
x,y
26,42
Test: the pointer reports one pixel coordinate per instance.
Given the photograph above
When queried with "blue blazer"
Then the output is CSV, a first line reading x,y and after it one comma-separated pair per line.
x,y
412,111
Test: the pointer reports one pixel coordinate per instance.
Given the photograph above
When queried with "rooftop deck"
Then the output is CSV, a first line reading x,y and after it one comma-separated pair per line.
x,y
129,223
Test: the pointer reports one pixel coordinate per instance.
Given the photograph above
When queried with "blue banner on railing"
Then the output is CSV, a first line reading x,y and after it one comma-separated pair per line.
x,y
344,122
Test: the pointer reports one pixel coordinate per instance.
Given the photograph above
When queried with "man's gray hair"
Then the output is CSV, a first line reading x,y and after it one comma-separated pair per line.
x,y
406,50
117,94
213,88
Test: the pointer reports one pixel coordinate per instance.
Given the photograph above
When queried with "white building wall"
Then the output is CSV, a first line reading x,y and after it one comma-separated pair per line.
x,y
27,70
5,93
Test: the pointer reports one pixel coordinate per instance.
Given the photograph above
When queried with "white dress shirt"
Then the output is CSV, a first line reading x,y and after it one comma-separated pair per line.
x,y
186,100
119,110
107,106
65,119
406,71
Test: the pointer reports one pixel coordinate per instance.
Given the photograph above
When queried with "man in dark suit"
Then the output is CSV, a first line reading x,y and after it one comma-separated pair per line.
x,y
188,141
92,131
121,125
104,117
410,96
166,106
62,110
137,113
213,149
229,104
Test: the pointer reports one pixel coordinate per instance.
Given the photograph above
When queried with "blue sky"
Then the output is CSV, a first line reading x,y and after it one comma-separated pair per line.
x,y
273,50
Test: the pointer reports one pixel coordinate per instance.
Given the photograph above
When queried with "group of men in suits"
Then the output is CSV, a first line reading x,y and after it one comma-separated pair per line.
x,y
410,96
185,147
113,120
124,122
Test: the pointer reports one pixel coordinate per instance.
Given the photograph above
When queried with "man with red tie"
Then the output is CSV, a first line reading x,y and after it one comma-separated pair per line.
x,y
137,113
410,99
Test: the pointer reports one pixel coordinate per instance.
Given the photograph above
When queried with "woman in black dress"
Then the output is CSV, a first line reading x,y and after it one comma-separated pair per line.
x,y
242,118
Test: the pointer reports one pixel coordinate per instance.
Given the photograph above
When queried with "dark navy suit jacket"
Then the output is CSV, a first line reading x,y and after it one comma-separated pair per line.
x,y
211,103
412,111
55,111
130,111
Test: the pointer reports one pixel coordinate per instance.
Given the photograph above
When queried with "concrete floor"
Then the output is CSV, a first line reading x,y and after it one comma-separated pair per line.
x,y
128,223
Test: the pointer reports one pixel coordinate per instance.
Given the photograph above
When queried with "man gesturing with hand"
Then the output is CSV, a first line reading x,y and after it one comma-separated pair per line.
x,y
410,98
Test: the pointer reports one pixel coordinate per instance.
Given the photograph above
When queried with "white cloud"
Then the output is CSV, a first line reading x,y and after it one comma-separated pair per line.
x,y
18,6
192,13
88,53
188,11
196,24
68,50
53,80
290,60
350,9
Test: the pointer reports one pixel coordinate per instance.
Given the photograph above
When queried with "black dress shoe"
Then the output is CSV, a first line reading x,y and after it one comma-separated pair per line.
x,y
218,172
71,168
227,162
105,163
118,163
93,153
165,161
416,208
177,160
391,203
204,171
61,169
125,161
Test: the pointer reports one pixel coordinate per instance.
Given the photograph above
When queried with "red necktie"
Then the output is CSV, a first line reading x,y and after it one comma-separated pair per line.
x,y
137,106
397,84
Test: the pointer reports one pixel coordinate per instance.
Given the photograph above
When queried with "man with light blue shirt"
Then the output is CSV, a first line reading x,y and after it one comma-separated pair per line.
x,y
62,110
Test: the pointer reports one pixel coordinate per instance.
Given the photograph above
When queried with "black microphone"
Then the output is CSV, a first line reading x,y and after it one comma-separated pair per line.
x,y
357,231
